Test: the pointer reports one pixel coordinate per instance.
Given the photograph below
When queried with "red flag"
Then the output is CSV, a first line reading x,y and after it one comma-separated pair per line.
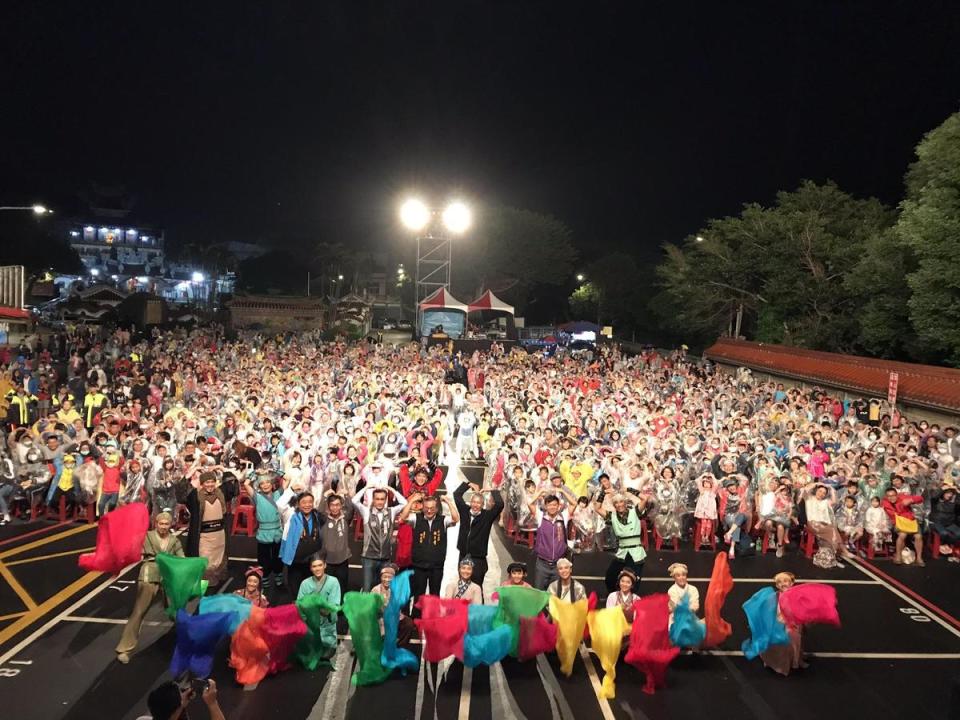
x,y
810,603
591,605
443,623
650,649
537,635
721,583
120,537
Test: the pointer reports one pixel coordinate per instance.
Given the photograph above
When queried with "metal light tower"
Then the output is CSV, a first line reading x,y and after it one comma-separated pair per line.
x,y
434,248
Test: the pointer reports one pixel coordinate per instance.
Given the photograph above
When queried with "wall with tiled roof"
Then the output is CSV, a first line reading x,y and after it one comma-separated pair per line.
x,y
928,386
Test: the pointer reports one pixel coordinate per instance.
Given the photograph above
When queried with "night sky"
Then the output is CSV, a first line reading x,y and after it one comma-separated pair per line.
x,y
632,122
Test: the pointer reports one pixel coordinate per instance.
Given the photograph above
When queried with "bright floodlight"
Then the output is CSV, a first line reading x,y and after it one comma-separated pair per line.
x,y
580,277
94,272
457,217
699,238
197,277
414,214
39,209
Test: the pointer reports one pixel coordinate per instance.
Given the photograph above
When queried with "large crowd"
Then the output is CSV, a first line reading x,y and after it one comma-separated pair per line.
x,y
602,452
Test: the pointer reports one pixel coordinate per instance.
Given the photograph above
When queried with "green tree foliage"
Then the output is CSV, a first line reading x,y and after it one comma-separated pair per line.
x,y
783,268
513,251
929,225
583,302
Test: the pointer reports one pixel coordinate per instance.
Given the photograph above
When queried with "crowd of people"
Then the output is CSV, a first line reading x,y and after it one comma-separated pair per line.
x,y
606,453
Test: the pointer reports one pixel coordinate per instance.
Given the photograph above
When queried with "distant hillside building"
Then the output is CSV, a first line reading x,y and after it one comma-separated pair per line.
x,y
277,312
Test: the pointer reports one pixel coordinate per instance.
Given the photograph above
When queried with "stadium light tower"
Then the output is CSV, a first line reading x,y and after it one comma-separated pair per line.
x,y
434,250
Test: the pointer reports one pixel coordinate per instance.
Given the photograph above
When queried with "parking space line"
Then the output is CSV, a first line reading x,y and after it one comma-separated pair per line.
x,y
19,589
45,541
48,557
18,538
944,619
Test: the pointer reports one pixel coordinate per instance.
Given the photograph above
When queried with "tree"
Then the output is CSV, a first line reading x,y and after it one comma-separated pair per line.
x,y
513,251
929,226
780,271
584,302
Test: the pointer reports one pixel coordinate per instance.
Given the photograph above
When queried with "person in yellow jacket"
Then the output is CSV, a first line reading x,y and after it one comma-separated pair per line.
x,y
67,413
92,404
20,405
576,475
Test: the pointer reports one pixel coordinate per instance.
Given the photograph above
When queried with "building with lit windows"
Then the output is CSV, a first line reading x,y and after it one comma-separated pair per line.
x,y
118,249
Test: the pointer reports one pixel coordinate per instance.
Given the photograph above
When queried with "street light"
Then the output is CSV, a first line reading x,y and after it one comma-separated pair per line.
x,y
37,209
579,277
699,238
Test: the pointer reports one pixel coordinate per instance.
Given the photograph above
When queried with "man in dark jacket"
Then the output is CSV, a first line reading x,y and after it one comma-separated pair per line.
x,y
943,516
475,523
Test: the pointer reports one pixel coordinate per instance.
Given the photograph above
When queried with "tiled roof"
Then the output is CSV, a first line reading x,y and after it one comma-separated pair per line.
x,y
923,385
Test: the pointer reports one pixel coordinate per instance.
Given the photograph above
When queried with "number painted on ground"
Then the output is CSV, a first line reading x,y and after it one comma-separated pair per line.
x,y
914,614
9,672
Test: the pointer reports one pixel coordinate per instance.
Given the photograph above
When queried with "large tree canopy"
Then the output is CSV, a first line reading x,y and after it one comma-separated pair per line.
x,y
929,227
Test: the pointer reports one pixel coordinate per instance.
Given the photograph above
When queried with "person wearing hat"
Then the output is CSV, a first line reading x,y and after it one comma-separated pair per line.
x,y
565,587
476,521
407,629
252,589
624,597
266,503
627,526
944,518
159,540
517,575
463,588
207,536
681,589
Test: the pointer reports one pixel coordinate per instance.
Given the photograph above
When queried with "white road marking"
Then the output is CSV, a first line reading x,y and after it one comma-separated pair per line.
x,y
464,713
32,637
853,655
933,616
605,708
111,621
21,662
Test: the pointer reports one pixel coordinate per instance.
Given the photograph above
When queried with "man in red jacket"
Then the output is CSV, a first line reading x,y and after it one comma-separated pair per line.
x,y
904,523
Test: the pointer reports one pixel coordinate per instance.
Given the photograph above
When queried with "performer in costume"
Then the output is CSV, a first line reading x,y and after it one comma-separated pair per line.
x,y
624,597
158,540
627,526
302,540
463,587
681,589
784,658
253,587
208,533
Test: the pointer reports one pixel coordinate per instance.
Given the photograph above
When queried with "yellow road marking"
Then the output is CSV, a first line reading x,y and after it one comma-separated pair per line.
x,y
17,587
46,606
12,616
45,541
48,557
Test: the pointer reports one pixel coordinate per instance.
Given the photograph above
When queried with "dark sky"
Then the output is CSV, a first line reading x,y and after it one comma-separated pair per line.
x,y
632,122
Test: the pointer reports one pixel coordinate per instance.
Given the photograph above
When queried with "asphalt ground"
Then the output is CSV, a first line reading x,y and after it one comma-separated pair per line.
x,y
897,654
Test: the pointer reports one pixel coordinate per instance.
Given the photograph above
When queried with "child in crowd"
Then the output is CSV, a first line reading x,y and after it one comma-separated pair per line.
x,y
850,523
877,524
706,510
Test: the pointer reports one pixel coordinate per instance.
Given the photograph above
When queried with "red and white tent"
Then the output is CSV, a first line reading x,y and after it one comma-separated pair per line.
x,y
442,299
489,301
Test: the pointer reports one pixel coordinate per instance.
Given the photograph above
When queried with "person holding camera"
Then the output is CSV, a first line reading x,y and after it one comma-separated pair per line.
x,y
170,700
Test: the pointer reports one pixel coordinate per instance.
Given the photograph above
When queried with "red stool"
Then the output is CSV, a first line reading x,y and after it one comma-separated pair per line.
x,y
526,537
61,511
181,517
809,543
765,544
704,534
658,541
873,551
357,527
38,505
644,535
87,512
247,514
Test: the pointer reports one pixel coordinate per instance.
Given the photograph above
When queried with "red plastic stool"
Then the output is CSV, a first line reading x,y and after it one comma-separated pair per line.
x,y
181,517
248,516
38,505
526,537
86,512
768,541
934,544
61,511
644,535
704,530
357,527
658,541
871,550
809,543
